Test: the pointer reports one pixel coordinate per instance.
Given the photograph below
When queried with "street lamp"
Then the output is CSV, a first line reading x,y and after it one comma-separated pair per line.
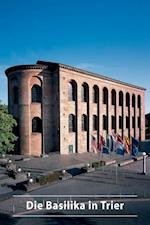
x,y
144,163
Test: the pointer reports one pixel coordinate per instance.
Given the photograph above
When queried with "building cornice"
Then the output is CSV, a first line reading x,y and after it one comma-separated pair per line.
x,y
25,67
91,74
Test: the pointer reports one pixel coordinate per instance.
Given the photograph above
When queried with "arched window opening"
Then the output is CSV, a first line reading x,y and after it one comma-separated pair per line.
x,y
113,97
36,125
84,93
95,94
127,99
72,123
120,122
133,100
139,101
127,122
36,93
72,91
105,95
120,98
139,122
95,122
133,122
15,94
113,122
84,122
105,122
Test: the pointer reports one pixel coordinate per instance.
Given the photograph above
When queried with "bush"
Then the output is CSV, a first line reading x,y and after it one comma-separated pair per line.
x,y
47,178
97,164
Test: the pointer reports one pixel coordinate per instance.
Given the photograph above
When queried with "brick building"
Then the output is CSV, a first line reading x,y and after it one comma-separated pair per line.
x,y
59,107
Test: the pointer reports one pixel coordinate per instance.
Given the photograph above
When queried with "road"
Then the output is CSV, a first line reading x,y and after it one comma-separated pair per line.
x,y
107,180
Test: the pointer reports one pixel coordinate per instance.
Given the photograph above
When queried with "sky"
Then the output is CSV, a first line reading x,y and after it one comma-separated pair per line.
x,y
109,37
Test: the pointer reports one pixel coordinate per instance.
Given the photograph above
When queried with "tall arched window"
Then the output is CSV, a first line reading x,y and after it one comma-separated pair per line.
x,y
105,122
72,123
84,122
133,100
127,99
72,91
113,97
84,92
120,98
95,94
105,95
15,94
36,93
95,122
139,101
36,125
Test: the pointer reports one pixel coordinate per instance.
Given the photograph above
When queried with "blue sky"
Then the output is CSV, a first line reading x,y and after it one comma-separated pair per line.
x,y
110,37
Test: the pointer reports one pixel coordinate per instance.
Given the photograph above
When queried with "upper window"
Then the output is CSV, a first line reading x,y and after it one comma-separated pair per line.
x,y
84,122
120,98
95,94
72,123
113,122
95,122
84,93
36,93
120,122
72,91
127,99
113,97
15,93
139,101
105,122
37,125
105,95
133,100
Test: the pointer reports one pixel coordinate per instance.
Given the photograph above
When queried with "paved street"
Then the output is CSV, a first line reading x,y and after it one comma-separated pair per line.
x,y
107,180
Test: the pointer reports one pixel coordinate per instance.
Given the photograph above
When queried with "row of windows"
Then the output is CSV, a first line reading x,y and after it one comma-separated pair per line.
x,y
72,95
36,95
84,122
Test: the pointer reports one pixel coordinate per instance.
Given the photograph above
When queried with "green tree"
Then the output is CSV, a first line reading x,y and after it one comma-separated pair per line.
x,y
7,124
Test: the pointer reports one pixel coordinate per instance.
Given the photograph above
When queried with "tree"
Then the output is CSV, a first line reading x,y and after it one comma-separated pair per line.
x,y
7,124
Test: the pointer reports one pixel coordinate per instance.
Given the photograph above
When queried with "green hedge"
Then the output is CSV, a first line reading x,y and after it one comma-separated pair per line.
x,y
97,164
47,178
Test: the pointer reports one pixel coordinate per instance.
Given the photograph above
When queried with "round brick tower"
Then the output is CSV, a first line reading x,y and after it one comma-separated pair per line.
x,y
25,104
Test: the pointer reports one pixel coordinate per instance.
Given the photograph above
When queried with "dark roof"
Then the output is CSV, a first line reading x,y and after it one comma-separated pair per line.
x,y
53,66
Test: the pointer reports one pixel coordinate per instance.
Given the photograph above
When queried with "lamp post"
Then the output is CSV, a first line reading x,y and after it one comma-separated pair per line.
x,y
144,163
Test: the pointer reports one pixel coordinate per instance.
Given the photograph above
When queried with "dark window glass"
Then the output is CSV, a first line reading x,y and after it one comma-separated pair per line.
x,y
127,99
113,97
105,122
105,95
120,98
127,122
113,122
36,94
16,92
133,100
139,122
72,91
139,101
84,93
95,122
133,122
84,123
36,125
120,122
72,123
95,94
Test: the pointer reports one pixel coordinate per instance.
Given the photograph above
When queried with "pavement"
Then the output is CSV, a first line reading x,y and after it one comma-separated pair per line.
x,y
55,161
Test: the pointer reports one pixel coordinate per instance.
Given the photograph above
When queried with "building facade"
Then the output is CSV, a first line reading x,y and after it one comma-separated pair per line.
x,y
59,107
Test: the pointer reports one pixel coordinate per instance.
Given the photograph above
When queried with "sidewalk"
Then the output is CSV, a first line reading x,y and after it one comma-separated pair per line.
x,y
56,161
